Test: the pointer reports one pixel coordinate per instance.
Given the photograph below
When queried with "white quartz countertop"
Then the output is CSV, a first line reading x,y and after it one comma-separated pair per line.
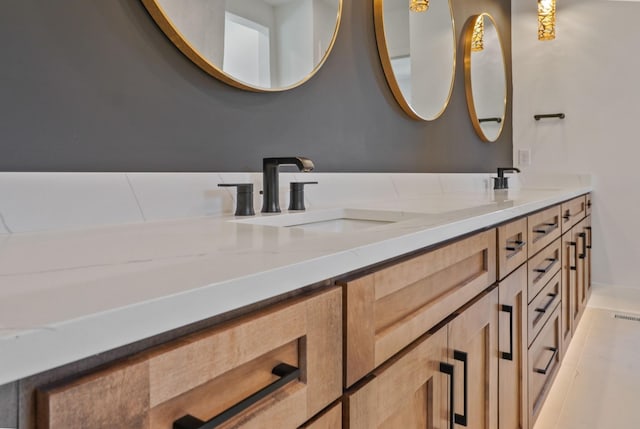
x,y
67,295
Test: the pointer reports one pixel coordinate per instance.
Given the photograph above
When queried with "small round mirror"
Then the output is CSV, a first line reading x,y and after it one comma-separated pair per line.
x,y
256,45
417,45
485,76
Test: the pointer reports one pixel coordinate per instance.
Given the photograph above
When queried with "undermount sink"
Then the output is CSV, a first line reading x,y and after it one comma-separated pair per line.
x,y
333,220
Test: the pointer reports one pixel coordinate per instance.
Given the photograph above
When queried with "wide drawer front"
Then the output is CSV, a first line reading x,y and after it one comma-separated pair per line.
x,y
542,228
386,310
544,361
543,305
573,211
512,246
291,350
543,267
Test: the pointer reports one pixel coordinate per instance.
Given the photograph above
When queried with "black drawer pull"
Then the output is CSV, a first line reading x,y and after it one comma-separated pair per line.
x,y
545,231
546,368
461,419
588,228
287,374
575,249
519,244
546,269
447,368
508,309
567,215
546,307
583,235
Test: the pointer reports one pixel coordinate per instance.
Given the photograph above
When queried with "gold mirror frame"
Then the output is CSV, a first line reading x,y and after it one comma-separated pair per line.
x,y
166,25
385,59
468,38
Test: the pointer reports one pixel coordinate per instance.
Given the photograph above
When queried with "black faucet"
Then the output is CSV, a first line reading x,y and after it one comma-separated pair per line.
x,y
502,182
271,198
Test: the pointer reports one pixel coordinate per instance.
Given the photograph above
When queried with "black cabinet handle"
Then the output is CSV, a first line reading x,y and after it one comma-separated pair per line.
x,y
447,368
546,307
583,235
588,228
287,374
461,419
552,262
544,370
549,227
508,309
567,215
519,244
575,250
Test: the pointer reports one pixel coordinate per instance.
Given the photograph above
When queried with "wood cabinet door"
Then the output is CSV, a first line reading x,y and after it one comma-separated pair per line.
x,y
473,351
408,392
587,268
569,289
512,342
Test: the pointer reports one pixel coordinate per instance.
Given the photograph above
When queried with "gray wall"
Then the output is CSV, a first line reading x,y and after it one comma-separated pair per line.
x,y
96,86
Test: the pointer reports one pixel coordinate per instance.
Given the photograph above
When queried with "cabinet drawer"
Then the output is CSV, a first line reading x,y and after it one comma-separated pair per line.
x,y
544,361
542,228
543,305
387,310
543,267
512,246
573,211
588,202
209,372
329,419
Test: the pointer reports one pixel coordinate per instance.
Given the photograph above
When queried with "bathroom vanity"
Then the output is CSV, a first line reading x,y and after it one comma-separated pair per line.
x,y
451,310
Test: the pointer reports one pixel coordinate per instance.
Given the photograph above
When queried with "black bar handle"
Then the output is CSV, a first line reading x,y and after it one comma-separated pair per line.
x,y
583,235
567,215
287,374
549,115
508,309
498,120
588,228
447,368
519,244
546,231
544,370
461,419
546,307
552,262
575,249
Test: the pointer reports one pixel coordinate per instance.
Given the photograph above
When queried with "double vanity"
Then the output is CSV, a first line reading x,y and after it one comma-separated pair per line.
x,y
445,308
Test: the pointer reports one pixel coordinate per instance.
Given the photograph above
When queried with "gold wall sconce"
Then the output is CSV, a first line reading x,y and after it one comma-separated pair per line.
x,y
418,5
546,19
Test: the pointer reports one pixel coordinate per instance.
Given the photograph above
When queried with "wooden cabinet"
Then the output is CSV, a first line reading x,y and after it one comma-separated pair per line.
x,y
208,373
387,310
572,212
512,342
543,228
542,268
512,246
457,363
330,418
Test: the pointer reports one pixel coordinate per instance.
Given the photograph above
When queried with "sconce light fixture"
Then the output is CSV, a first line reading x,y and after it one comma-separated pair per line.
x,y
477,37
546,19
418,5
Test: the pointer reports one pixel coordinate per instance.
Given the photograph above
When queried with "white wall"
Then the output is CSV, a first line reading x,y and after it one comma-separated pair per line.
x,y
591,72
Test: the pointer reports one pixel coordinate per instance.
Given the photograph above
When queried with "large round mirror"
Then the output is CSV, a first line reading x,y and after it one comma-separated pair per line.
x,y
257,45
417,45
485,76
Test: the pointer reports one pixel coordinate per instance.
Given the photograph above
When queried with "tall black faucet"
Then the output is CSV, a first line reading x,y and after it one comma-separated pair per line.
x,y
270,182
502,182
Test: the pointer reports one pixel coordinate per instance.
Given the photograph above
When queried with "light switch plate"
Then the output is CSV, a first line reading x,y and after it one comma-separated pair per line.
x,y
524,157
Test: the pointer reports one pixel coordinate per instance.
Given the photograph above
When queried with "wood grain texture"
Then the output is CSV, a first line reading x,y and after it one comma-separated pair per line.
x,y
541,220
508,236
208,372
547,299
573,211
475,332
543,260
409,391
569,287
405,300
512,374
330,419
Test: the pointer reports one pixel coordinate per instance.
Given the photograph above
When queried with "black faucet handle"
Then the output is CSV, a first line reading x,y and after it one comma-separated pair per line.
x,y
244,198
501,170
502,182
296,195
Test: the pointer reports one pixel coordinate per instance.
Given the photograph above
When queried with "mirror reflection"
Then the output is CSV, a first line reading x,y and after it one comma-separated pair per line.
x,y
260,45
485,77
417,48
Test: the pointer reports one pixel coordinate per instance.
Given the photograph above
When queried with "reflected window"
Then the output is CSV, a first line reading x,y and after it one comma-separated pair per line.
x,y
246,50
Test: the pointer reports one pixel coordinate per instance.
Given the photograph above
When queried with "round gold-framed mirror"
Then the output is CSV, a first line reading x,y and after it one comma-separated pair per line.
x,y
255,45
485,76
417,45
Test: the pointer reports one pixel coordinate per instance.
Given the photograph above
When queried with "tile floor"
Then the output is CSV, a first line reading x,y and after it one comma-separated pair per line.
x,y
598,386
